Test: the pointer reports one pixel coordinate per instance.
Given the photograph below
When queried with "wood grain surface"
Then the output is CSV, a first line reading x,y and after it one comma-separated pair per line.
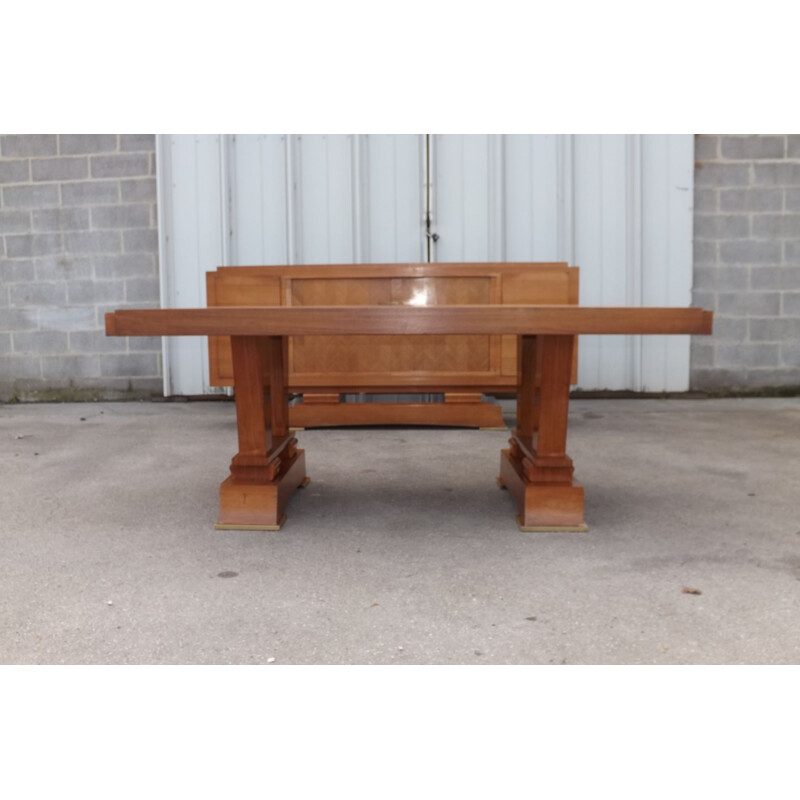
x,y
432,320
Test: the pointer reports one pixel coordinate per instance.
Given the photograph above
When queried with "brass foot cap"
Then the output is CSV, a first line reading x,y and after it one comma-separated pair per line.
x,y
583,528
235,526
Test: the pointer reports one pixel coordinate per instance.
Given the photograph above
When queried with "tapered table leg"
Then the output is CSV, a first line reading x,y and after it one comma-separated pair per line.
x,y
536,468
269,466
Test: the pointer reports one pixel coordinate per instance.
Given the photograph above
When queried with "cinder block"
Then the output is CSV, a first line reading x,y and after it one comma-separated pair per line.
x,y
14,171
721,278
790,357
5,344
69,367
793,145
145,289
791,253
89,193
19,319
122,216
15,221
30,196
784,173
728,329
37,294
95,341
87,143
706,200
39,342
704,299
752,147
750,252
746,356
126,387
751,200
29,245
96,291
64,266
28,144
18,368
19,246
774,330
151,344
59,169
776,278
137,141
750,304
719,174
67,318
706,147
705,252
61,219
93,242
120,165
139,364
138,190
772,378
776,226
140,241
721,226
710,380
16,271
791,304
793,199
125,265
702,354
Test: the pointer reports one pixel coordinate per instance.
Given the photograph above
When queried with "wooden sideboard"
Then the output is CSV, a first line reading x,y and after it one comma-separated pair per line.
x,y
462,367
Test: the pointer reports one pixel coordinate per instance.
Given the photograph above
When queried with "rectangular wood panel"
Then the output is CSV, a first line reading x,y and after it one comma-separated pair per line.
x,y
313,356
389,356
235,290
374,291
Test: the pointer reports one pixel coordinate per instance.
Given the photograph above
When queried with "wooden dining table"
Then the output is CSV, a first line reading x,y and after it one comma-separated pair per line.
x,y
535,468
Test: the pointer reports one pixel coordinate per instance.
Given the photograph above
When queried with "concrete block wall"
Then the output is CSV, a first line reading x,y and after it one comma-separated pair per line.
x,y
78,237
747,261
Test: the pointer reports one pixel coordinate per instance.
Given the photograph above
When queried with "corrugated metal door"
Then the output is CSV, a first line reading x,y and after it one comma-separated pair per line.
x,y
326,199
192,239
618,206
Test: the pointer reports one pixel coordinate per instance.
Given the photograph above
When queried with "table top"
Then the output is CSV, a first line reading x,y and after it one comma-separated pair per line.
x,y
377,320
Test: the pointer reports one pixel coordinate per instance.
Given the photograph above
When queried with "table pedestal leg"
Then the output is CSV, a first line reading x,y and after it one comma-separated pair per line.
x,y
269,466
536,469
